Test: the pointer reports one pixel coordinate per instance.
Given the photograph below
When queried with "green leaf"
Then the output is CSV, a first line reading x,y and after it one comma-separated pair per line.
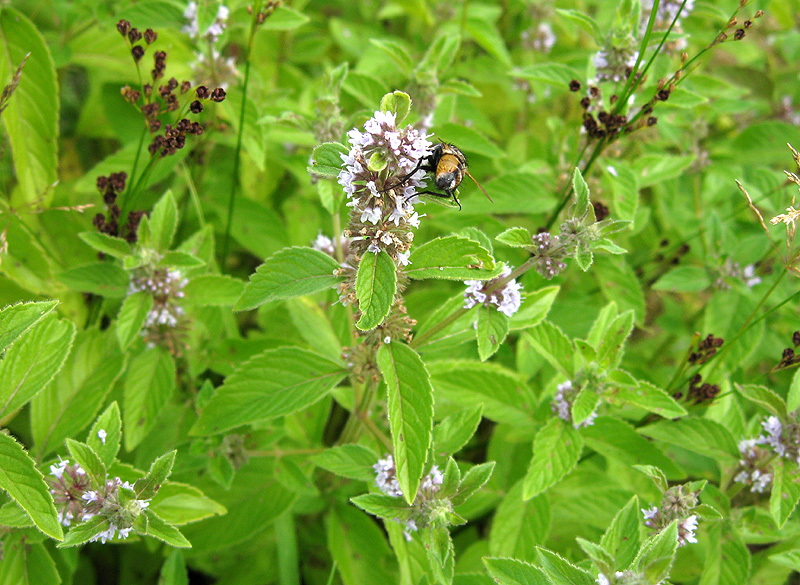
x,y
556,450
147,486
514,572
452,258
655,169
284,18
31,363
469,140
765,398
472,481
410,410
785,491
658,553
684,279
698,435
313,324
376,284
17,319
173,571
13,516
534,308
398,103
505,192
552,73
792,397
584,21
132,316
516,237
104,279
492,329
350,461
326,161
164,222
383,506
649,397
180,260
489,38
73,399
84,531
274,383
150,383
214,290
26,562
502,393
26,486
553,345
621,538
106,443
519,525
292,272
115,247
397,52
459,87
450,435
580,194
179,503
609,352
682,98
85,456
617,440
441,53
31,118
164,532
619,284
358,547
562,572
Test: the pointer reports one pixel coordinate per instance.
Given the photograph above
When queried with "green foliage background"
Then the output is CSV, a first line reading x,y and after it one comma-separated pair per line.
x,y
266,472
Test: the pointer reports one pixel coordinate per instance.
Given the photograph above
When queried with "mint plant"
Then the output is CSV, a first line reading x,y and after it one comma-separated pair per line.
x,y
255,326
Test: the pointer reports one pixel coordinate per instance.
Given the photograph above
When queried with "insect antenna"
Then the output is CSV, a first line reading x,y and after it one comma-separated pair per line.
x,y
479,186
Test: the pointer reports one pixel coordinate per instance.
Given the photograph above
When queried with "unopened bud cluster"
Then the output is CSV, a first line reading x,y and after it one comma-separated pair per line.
x,y
550,254
706,349
76,502
425,502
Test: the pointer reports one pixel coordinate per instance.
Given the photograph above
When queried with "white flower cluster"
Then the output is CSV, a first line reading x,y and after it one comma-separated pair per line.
x,y
667,12
562,404
507,299
686,527
541,39
214,31
753,463
386,480
383,215
77,503
623,578
614,63
166,287
386,477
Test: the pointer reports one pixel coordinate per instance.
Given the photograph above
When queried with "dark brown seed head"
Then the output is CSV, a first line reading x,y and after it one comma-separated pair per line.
x,y
218,95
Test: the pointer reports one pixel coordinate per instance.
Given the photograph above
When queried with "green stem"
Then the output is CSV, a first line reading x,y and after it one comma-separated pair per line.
x,y
193,193
240,135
